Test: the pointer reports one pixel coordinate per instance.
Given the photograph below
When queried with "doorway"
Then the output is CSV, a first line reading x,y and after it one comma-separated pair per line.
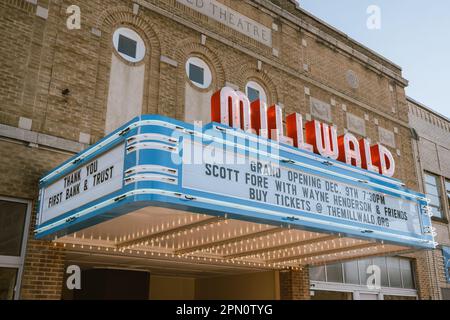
x,y
111,284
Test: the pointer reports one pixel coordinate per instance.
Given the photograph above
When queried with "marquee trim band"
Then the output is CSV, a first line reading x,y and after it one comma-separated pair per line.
x,y
287,219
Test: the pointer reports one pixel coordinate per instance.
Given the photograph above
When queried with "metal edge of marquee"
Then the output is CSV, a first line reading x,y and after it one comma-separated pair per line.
x,y
138,199
135,127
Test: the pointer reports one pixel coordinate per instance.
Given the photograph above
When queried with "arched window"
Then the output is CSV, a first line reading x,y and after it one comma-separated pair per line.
x,y
255,91
198,72
126,78
129,45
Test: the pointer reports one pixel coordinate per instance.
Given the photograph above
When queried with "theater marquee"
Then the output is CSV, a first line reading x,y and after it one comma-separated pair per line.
x,y
299,189
219,170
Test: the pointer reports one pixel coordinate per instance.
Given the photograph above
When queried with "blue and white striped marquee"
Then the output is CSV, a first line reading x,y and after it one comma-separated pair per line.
x,y
154,161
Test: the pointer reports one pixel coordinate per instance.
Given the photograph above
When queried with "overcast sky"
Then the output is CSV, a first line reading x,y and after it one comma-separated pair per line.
x,y
414,34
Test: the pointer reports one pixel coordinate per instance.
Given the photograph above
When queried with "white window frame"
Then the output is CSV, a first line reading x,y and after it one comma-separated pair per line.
x,y
256,86
440,191
446,200
130,33
207,73
356,290
18,262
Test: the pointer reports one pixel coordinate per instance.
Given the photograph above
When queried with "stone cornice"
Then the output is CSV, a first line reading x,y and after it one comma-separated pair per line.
x,y
333,41
417,104
36,139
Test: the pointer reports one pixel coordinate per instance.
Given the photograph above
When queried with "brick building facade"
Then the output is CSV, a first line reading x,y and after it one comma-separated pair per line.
x,y
62,89
431,135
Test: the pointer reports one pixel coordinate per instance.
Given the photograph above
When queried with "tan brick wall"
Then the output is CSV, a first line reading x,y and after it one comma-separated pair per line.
x,y
433,148
294,284
43,276
80,60
44,265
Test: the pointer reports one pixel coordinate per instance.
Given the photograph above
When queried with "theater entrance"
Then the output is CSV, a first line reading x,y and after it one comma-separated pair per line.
x,y
159,253
187,206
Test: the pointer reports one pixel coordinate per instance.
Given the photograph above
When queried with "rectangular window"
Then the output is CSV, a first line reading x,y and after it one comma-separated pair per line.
x,y
351,272
396,272
381,263
363,266
317,273
127,46
334,273
393,266
407,275
253,94
433,191
12,222
447,189
8,278
446,260
196,74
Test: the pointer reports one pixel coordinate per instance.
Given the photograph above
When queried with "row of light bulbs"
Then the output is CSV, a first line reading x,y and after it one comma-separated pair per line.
x,y
247,245
293,263
233,248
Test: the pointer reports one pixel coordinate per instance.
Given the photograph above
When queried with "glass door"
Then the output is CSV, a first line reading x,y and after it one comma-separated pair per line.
x,y
14,221
8,280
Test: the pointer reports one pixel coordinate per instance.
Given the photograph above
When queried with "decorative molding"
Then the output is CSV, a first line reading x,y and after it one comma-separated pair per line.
x,y
333,102
232,85
135,8
42,12
35,139
169,61
420,110
275,52
248,72
386,137
96,32
227,16
356,124
84,138
320,109
25,123
324,36
29,6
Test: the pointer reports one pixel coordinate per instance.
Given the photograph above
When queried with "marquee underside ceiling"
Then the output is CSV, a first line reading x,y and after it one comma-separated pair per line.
x,y
165,238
